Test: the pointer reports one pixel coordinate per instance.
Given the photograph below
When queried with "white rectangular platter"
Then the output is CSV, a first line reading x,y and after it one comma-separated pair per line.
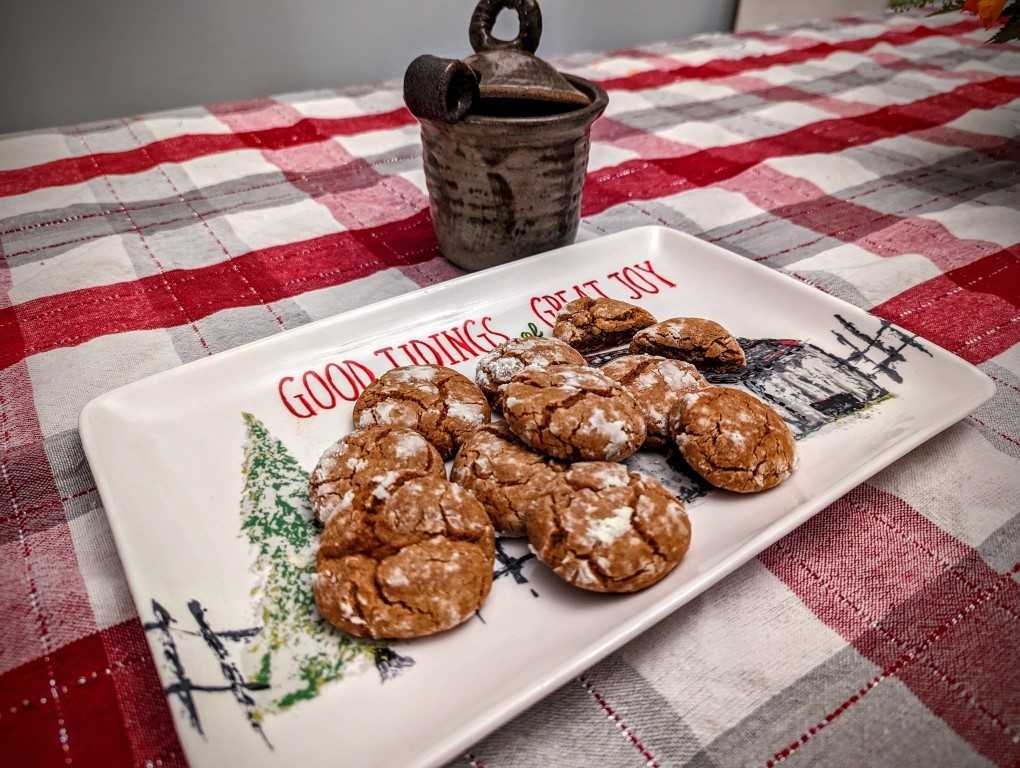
x,y
191,486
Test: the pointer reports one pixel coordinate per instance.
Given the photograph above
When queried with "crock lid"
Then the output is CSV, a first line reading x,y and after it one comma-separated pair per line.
x,y
509,69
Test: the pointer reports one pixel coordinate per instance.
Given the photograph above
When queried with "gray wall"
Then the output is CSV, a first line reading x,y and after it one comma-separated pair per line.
x,y
65,61
754,14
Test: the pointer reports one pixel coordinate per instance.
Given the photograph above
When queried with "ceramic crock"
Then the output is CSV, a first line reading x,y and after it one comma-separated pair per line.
x,y
505,164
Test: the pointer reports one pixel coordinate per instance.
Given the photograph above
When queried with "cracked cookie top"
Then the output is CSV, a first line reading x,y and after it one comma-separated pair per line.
x,y
657,384
496,368
441,404
733,439
573,413
365,458
507,478
612,530
426,567
589,325
703,343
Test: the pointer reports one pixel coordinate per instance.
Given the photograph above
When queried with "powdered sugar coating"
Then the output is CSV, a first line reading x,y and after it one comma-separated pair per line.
x,y
472,413
414,373
441,404
607,536
704,343
680,376
734,440
409,444
334,506
573,413
606,530
691,398
423,563
592,324
506,477
658,384
496,368
383,483
356,463
353,464
613,433
388,413
608,475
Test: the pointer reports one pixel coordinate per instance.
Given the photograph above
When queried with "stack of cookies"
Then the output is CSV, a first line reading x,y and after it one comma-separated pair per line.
x,y
728,436
405,552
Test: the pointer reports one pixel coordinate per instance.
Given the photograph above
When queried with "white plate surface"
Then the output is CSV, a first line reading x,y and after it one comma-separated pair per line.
x,y
167,453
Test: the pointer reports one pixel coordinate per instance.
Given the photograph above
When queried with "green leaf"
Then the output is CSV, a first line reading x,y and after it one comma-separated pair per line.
x,y
905,5
1010,30
950,7
946,6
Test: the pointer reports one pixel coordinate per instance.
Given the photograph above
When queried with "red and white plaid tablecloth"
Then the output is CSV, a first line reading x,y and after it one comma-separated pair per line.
x,y
877,159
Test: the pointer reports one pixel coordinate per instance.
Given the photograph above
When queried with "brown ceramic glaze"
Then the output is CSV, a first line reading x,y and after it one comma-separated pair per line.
x,y
501,188
508,69
440,89
504,174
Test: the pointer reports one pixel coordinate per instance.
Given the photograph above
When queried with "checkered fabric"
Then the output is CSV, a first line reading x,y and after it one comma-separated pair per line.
x,y
876,159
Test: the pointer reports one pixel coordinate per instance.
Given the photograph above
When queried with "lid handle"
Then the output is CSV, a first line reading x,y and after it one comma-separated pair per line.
x,y
483,19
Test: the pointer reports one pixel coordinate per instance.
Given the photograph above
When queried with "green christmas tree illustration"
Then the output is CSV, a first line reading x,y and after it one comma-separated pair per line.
x,y
296,652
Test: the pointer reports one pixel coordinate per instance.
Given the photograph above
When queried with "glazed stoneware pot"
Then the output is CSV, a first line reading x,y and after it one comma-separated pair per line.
x,y
505,143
